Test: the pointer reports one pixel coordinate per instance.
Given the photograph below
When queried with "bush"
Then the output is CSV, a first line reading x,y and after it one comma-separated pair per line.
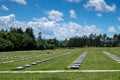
x,y
6,45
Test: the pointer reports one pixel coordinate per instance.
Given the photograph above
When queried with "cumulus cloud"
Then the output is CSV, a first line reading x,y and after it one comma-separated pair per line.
x,y
112,29
20,1
49,28
55,15
73,1
100,5
42,19
73,14
9,21
72,29
99,14
5,8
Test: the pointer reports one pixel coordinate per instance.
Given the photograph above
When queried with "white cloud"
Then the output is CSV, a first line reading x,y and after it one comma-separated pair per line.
x,y
71,29
49,29
73,1
43,19
99,15
73,14
112,29
5,8
20,1
55,15
9,21
100,5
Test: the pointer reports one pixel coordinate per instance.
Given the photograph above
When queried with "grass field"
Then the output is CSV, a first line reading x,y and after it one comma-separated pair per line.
x,y
95,60
62,76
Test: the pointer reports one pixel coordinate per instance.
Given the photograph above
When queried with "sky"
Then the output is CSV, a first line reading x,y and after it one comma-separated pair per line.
x,y
62,19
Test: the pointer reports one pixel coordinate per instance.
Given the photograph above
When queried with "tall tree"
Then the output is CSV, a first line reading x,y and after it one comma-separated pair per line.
x,y
29,31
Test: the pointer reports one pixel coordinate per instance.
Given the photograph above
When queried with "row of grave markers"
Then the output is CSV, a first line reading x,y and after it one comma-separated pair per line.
x,y
76,64
114,57
5,56
14,56
37,62
22,59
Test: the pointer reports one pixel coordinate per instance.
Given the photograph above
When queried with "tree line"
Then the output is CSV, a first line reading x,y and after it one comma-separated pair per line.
x,y
17,39
93,40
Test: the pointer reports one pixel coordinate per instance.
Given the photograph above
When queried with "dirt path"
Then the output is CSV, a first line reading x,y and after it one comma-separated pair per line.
x,y
60,71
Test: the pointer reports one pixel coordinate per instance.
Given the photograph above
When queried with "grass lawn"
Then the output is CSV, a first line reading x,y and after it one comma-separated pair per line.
x,y
10,66
116,51
95,60
60,63
62,76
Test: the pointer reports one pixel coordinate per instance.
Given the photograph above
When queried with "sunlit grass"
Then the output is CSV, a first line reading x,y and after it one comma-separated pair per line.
x,y
62,76
60,63
95,60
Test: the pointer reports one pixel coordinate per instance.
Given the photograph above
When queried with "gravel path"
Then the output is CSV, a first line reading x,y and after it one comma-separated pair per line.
x,y
60,71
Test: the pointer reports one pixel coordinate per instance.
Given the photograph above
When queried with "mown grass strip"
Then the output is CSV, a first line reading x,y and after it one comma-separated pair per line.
x,y
61,76
96,60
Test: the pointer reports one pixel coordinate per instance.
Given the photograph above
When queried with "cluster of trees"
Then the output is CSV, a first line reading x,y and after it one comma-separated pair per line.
x,y
17,39
93,40
46,44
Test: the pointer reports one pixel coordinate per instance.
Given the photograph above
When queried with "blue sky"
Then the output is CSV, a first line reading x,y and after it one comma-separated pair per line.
x,y
62,18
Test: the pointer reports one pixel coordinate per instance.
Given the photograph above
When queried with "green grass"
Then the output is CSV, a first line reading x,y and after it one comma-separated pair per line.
x,y
60,63
95,60
116,51
18,55
10,66
61,76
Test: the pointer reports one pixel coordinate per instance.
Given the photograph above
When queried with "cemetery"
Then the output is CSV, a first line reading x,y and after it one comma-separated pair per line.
x,y
80,59
61,59
59,39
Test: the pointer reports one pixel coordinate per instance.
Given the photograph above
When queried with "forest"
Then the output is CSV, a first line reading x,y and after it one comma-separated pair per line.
x,y
17,39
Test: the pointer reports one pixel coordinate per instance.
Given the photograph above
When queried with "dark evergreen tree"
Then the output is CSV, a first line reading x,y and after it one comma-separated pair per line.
x,y
29,31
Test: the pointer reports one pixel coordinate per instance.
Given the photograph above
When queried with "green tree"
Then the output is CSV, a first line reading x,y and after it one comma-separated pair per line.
x,y
26,42
29,31
16,39
6,45
41,44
